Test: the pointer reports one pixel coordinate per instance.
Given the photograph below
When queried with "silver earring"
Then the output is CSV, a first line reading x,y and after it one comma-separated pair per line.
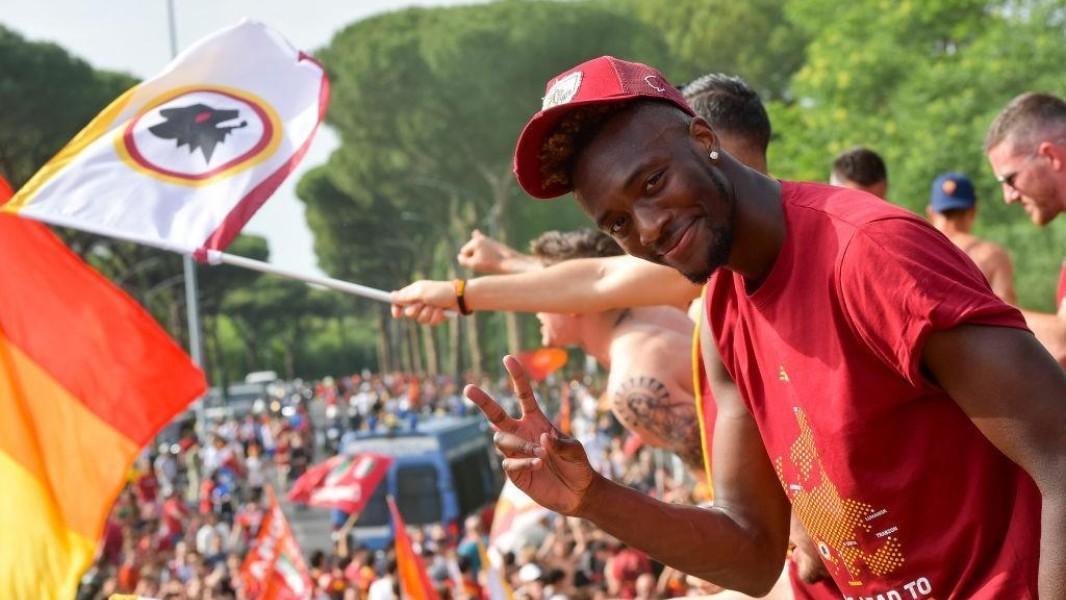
x,y
714,155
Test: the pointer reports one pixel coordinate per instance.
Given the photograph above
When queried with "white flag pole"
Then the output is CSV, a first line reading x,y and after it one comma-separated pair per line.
x,y
215,257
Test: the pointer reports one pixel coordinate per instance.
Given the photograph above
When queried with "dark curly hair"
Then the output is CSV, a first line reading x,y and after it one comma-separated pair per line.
x,y
569,137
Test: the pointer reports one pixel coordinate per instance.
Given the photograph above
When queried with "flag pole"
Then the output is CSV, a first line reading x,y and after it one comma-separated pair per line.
x,y
192,305
215,257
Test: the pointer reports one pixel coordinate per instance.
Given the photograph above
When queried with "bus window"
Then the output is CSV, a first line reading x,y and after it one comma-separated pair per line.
x,y
417,494
472,475
376,511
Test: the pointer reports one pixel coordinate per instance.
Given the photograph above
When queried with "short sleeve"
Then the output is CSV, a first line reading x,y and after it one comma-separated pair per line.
x,y
900,280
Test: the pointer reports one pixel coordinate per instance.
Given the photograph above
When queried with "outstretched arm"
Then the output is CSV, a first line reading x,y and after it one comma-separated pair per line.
x,y
1016,395
574,286
739,543
483,254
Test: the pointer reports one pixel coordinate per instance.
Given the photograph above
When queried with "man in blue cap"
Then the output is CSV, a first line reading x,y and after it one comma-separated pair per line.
x,y
952,210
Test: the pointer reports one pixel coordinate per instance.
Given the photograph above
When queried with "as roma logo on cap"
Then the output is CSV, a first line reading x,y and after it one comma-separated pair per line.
x,y
196,135
562,91
949,187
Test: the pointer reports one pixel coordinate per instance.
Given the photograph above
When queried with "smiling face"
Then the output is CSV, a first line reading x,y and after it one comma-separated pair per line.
x,y
646,179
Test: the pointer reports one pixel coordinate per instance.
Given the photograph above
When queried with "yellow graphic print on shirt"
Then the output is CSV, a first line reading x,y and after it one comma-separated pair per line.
x,y
834,522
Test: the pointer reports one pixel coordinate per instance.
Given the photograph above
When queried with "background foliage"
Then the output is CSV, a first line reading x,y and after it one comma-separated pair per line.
x,y
428,103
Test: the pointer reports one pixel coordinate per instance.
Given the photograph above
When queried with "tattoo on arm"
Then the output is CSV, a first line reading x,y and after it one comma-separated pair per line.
x,y
644,403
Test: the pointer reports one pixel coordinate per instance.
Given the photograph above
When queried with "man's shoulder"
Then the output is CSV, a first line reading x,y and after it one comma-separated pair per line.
x,y
841,206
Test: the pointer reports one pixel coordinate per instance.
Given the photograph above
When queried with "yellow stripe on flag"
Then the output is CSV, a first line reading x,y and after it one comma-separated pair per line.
x,y
42,558
100,125
79,460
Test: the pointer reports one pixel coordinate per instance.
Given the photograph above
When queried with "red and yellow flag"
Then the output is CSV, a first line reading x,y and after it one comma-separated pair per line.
x,y
274,568
86,379
414,581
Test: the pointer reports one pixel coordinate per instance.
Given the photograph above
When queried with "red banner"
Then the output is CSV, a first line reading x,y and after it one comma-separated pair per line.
x,y
343,482
274,569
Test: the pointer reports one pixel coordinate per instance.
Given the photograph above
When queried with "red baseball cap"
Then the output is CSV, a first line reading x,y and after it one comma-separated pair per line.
x,y
602,80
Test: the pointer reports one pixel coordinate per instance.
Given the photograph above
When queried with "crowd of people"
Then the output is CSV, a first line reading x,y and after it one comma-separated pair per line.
x,y
183,525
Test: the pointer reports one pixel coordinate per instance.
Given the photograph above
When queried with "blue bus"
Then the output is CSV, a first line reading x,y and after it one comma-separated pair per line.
x,y
445,469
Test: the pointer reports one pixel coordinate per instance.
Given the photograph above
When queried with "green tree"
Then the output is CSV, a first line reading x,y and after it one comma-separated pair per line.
x,y
919,83
429,102
47,96
753,39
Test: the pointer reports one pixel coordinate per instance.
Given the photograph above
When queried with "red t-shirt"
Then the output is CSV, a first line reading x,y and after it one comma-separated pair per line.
x,y
901,493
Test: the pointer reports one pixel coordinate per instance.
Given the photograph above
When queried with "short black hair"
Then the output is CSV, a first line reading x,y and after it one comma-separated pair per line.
x,y
731,106
861,165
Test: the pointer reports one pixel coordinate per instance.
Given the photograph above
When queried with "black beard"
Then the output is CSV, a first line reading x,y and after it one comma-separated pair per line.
x,y
721,235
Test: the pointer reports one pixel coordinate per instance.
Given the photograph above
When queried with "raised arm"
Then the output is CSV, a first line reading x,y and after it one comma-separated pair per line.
x,y
573,286
1015,394
483,254
739,543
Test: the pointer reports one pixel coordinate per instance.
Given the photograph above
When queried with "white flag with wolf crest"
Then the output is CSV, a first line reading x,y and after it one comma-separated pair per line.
x,y
183,160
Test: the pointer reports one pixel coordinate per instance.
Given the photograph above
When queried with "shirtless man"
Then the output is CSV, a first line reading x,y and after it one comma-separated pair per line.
x,y
952,210
649,391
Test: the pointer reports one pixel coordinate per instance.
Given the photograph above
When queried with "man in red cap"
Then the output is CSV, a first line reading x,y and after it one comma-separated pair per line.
x,y
904,411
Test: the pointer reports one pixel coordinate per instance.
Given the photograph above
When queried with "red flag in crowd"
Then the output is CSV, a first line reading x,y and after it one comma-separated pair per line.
x,y
542,362
343,482
274,568
414,581
5,190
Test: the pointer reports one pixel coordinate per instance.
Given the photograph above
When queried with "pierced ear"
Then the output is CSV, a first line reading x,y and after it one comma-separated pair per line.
x,y
700,130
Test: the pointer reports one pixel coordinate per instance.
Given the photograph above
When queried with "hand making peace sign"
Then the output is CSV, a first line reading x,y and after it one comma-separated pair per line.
x,y
548,466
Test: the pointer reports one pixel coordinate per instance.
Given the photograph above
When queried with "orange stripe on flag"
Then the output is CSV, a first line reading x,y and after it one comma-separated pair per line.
x,y
84,331
412,572
79,459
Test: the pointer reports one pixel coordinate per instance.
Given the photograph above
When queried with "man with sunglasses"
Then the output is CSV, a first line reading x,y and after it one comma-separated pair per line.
x,y
1026,146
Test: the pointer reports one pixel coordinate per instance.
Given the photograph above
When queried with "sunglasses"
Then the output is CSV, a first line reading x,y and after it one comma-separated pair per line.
x,y
1010,178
